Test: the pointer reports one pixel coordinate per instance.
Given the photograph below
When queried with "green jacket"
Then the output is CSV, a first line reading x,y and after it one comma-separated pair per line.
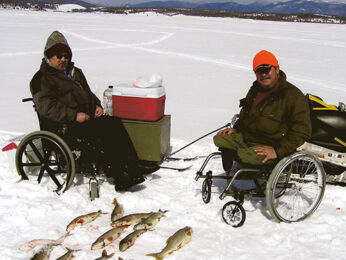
x,y
281,120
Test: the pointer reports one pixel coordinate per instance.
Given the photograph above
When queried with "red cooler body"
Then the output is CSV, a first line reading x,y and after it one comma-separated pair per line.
x,y
146,104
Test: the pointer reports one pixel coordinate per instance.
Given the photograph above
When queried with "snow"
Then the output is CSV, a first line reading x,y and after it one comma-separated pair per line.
x,y
69,7
206,68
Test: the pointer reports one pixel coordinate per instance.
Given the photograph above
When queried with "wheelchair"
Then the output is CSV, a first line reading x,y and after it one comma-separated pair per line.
x,y
294,187
50,151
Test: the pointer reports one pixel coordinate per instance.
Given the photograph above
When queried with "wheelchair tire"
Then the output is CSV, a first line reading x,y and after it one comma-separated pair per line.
x,y
206,190
233,213
44,152
295,187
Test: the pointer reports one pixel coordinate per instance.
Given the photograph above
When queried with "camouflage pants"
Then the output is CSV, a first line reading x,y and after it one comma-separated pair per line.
x,y
245,151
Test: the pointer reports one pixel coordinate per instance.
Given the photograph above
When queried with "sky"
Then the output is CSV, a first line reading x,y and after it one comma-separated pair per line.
x,y
119,2
206,66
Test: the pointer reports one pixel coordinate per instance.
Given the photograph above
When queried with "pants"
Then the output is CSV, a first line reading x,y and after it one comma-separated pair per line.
x,y
245,151
109,135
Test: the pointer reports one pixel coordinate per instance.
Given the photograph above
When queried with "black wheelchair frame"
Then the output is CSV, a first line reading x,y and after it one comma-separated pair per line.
x,y
53,153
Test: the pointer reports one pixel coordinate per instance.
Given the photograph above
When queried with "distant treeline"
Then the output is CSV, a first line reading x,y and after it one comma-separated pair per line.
x,y
308,18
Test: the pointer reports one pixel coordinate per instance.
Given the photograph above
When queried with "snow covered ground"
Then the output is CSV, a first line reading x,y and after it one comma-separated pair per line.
x,y
206,68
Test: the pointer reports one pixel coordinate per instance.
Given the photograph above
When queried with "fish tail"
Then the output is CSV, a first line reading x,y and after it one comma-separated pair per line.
x,y
156,256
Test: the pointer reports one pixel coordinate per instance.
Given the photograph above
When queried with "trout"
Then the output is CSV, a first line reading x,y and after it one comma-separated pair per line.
x,y
104,255
118,210
130,219
68,256
37,242
82,220
151,221
44,253
174,242
107,238
130,239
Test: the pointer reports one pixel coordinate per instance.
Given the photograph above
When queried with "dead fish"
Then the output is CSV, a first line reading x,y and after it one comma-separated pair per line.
x,y
130,239
44,253
151,221
107,238
37,242
174,242
131,219
82,220
118,210
104,255
68,256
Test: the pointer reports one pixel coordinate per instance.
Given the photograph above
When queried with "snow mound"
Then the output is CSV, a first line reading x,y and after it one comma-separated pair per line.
x,y
69,7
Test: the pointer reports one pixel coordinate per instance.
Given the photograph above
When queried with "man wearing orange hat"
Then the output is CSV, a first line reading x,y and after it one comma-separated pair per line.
x,y
274,119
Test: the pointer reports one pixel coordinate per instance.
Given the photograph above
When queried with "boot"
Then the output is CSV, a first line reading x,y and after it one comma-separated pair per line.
x,y
126,180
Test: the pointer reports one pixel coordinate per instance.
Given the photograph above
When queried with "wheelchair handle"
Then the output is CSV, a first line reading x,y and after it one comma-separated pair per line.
x,y
27,99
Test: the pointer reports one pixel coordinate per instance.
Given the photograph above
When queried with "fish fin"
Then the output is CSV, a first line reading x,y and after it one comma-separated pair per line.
x,y
156,256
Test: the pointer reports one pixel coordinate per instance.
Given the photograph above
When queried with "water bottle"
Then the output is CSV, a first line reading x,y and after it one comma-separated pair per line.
x,y
107,101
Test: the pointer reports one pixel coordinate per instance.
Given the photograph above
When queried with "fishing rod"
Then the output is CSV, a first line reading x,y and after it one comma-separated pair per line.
x,y
169,156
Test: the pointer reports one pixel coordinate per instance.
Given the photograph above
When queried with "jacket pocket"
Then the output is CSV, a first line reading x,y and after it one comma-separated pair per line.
x,y
270,124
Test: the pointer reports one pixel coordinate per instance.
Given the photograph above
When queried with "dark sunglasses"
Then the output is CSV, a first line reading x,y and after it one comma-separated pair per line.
x,y
66,56
264,69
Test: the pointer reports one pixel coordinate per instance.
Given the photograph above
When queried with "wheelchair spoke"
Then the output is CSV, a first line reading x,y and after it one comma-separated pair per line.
x,y
40,175
36,151
55,179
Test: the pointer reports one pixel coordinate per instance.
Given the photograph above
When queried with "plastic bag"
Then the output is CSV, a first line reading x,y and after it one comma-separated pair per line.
x,y
153,81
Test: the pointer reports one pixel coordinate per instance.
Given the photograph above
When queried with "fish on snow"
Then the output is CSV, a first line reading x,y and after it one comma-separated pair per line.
x,y
151,221
131,219
130,239
37,242
104,255
82,220
107,238
174,242
118,210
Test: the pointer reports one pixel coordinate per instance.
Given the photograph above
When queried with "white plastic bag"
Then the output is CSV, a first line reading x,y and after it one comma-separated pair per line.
x,y
154,81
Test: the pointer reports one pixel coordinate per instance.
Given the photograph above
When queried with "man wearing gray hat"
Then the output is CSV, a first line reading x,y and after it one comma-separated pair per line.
x,y
62,96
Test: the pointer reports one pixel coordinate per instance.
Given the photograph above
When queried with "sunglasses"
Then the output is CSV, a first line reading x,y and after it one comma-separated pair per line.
x,y
265,69
59,56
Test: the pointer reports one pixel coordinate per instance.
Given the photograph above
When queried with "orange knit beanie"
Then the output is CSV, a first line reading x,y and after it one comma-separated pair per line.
x,y
264,58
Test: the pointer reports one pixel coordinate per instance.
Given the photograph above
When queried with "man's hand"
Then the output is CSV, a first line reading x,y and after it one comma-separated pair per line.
x,y
82,117
267,151
227,131
98,111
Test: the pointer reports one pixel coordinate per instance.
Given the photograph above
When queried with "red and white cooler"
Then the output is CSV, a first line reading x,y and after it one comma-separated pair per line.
x,y
147,104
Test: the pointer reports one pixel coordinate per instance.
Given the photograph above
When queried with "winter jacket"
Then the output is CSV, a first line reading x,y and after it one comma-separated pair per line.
x,y
281,120
58,97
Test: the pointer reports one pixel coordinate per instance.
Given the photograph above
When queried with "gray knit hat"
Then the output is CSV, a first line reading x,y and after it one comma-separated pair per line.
x,y
56,43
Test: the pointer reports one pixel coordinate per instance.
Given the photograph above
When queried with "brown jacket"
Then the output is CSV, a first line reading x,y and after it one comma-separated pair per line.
x,y
58,97
281,120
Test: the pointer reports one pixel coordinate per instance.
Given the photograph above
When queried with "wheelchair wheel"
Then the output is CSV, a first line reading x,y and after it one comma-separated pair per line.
x,y
206,190
295,187
233,213
43,152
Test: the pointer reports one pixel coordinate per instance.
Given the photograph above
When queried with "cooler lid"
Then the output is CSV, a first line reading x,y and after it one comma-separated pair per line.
x,y
127,90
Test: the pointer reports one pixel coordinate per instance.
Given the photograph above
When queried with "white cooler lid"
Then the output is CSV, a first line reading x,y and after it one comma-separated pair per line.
x,y
127,90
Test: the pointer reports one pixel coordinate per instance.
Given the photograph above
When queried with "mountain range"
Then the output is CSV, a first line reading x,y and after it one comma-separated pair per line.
x,y
290,7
